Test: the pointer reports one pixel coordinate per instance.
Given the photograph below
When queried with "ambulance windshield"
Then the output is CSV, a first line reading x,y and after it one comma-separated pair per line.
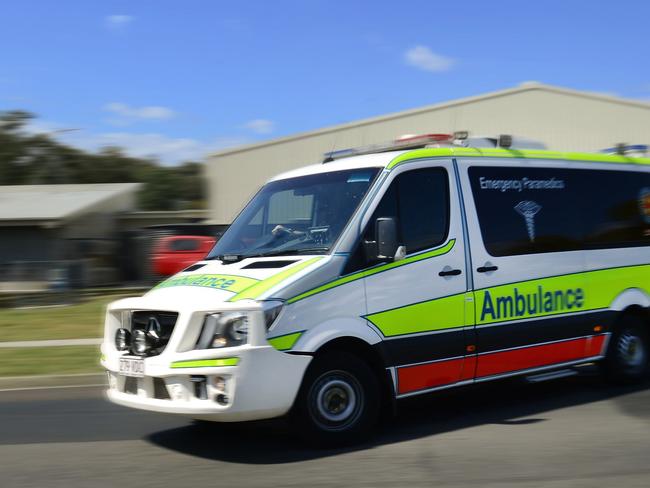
x,y
302,215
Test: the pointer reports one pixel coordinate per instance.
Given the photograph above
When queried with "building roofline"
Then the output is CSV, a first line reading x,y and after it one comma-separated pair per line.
x,y
523,87
118,190
71,187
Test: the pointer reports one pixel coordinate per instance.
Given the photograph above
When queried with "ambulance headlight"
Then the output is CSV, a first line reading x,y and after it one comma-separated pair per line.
x,y
122,339
223,330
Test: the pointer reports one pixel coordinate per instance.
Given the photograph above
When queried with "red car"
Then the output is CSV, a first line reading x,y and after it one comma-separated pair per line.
x,y
175,253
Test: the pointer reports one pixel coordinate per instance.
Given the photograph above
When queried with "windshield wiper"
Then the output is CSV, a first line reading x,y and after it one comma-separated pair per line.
x,y
283,252
230,258
233,258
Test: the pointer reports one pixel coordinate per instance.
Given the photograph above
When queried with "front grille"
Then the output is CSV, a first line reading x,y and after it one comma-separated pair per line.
x,y
158,327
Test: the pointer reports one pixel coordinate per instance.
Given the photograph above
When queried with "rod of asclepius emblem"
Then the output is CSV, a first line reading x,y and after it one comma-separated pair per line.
x,y
528,209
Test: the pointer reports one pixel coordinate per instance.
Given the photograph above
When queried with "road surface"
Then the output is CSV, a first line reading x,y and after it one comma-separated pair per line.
x,y
568,433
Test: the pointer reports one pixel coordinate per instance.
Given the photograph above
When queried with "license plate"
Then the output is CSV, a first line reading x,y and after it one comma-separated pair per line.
x,y
132,367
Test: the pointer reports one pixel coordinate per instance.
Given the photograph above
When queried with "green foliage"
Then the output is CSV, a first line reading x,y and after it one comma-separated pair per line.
x,y
83,320
33,159
29,361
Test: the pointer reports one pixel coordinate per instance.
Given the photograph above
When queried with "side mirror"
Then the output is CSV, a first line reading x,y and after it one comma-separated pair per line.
x,y
386,234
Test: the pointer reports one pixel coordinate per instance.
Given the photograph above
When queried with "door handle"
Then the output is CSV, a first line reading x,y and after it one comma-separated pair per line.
x,y
450,272
487,269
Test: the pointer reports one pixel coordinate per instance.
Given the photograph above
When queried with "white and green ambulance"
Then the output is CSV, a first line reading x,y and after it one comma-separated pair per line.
x,y
396,271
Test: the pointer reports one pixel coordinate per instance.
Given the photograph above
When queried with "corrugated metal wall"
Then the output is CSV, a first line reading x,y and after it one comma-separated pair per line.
x,y
564,120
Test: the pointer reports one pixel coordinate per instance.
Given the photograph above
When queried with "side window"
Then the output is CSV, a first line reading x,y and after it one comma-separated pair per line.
x,y
616,209
423,206
526,210
185,245
419,199
537,210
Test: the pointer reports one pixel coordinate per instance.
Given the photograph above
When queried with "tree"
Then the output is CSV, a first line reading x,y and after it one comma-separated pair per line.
x,y
39,159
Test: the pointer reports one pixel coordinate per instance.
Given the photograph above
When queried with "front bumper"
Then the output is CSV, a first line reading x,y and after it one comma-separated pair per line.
x,y
263,384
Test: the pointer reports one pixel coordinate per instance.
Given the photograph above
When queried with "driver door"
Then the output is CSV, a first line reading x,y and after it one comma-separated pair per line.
x,y
420,304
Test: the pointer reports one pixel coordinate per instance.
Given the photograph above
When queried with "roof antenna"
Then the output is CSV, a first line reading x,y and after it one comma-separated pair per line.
x,y
328,156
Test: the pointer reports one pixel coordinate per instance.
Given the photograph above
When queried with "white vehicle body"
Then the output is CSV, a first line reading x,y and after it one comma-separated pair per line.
x,y
427,330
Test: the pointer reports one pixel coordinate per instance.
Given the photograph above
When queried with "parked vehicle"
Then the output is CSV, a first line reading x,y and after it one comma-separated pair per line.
x,y
175,253
390,272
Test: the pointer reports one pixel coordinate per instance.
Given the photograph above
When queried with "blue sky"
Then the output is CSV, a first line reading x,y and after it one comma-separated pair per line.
x,y
176,79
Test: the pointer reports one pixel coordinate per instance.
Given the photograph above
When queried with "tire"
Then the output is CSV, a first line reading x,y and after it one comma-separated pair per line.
x,y
339,401
627,359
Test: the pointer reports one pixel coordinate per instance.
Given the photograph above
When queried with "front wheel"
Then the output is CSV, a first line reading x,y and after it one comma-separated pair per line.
x,y
339,400
627,359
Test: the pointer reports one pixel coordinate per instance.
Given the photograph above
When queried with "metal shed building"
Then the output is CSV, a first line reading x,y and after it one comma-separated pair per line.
x,y
43,227
566,120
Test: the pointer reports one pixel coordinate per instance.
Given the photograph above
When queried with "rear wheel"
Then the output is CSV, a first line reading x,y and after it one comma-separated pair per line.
x,y
339,401
627,359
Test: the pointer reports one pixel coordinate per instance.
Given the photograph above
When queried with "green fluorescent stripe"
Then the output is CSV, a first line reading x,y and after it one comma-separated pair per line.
x,y
285,342
260,287
231,283
513,153
439,314
413,259
600,287
206,363
378,269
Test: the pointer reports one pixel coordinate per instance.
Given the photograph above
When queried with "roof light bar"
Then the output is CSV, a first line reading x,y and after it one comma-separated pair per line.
x,y
458,139
628,150
505,141
404,142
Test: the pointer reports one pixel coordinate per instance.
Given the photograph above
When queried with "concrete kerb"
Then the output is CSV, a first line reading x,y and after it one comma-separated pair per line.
x,y
51,343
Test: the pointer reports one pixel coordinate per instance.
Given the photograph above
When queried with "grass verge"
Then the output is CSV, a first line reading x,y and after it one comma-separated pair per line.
x,y
49,360
80,321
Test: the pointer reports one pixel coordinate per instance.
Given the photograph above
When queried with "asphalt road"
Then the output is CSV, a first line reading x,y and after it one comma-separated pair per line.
x,y
571,432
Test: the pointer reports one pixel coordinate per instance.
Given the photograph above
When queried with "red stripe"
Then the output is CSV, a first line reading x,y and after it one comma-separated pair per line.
x,y
537,356
596,346
423,376
469,368
443,373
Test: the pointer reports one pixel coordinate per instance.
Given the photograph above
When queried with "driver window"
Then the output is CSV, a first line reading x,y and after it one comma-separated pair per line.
x,y
419,200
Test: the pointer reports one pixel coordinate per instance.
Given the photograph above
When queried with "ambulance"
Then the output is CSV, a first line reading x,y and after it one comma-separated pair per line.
x,y
393,271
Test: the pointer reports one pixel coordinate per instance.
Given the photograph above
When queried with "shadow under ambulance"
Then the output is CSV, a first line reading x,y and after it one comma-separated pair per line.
x,y
510,402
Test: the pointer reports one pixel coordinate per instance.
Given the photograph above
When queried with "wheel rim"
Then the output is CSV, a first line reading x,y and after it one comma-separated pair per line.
x,y
631,350
336,400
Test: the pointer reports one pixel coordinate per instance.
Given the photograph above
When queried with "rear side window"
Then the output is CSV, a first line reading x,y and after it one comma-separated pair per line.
x,y
616,209
537,210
